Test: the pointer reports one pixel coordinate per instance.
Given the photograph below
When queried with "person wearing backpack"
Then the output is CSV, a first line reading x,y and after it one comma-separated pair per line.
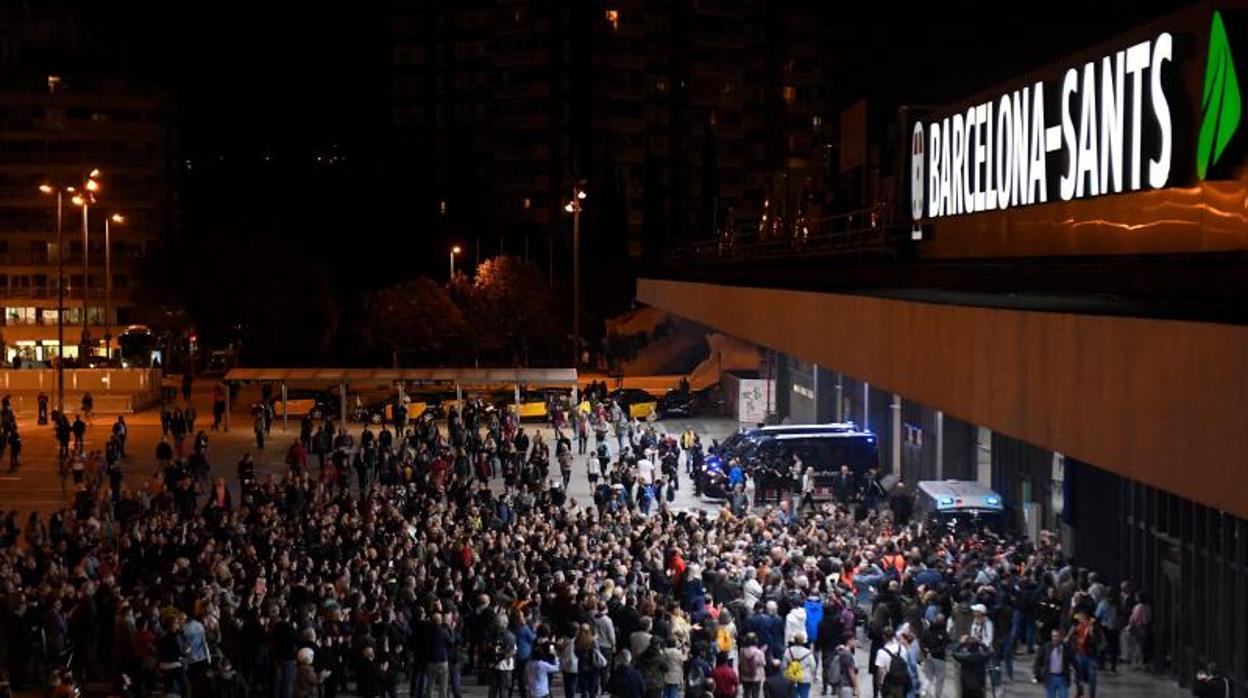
x,y
753,667
892,667
650,662
799,666
936,641
842,678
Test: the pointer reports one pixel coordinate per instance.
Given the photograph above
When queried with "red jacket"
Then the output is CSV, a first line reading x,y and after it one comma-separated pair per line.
x,y
725,678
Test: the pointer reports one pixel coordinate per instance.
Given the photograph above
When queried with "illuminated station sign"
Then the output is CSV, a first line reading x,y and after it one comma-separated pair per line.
x,y
1103,127
1005,152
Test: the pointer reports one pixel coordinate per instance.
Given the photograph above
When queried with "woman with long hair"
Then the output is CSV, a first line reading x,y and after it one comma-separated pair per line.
x,y
589,659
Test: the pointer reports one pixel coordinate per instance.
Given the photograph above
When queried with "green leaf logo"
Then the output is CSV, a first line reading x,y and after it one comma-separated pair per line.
x,y
1220,106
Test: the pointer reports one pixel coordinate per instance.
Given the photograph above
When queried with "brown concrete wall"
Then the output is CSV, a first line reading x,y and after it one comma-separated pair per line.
x,y
1159,401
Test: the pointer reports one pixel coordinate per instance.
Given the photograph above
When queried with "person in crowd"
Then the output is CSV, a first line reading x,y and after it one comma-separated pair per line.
x,y
1053,665
972,657
799,666
193,582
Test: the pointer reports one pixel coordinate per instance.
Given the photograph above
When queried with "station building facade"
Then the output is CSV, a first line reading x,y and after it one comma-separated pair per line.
x,y
1064,316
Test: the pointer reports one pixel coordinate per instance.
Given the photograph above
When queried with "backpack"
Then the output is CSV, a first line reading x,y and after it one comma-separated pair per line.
x,y
723,639
794,672
836,674
849,620
651,665
898,671
749,666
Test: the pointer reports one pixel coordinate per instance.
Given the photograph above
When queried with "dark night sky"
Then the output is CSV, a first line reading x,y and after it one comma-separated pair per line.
x,y
296,75
291,80
939,52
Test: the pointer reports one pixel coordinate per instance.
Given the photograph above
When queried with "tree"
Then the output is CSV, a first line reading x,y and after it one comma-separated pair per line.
x,y
283,301
514,307
416,316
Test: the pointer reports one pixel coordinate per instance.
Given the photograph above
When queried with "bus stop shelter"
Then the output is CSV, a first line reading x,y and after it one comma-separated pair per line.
x,y
343,378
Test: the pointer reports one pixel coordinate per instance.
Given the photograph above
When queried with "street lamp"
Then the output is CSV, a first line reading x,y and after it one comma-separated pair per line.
x,y
85,199
48,189
574,207
108,281
78,199
454,251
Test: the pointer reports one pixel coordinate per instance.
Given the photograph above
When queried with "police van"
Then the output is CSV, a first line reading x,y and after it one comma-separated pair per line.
x,y
825,447
958,503
745,438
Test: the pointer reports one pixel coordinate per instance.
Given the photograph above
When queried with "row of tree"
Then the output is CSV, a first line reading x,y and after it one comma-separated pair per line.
x,y
505,313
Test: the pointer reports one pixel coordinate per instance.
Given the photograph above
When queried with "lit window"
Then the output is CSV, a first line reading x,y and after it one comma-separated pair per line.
x,y
613,17
54,83
816,121
789,93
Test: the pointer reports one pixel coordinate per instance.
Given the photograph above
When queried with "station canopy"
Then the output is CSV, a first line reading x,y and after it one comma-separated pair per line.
x,y
320,377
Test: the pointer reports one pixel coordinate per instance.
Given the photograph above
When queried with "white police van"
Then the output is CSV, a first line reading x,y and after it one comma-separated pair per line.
x,y
955,503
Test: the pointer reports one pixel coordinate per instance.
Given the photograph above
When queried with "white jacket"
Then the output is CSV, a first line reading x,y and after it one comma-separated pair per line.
x,y
794,623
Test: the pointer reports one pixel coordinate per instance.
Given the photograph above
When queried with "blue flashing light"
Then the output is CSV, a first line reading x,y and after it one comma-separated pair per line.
x,y
946,501
993,501
870,439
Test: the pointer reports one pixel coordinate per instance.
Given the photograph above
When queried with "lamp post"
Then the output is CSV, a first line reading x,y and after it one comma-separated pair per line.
x,y
574,207
85,199
454,251
108,282
60,293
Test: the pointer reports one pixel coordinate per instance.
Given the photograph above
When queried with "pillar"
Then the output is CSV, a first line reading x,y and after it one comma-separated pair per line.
x,y
896,435
840,398
285,409
866,406
940,445
228,386
814,389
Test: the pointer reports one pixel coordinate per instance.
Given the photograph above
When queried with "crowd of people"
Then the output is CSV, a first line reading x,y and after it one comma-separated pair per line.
x,y
456,552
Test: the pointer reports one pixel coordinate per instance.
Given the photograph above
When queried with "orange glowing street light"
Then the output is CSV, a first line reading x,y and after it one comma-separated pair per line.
x,y
108,281
454,251
78,199
574,207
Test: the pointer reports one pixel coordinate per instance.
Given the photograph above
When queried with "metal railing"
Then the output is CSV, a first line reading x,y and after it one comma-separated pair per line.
x,y
863,231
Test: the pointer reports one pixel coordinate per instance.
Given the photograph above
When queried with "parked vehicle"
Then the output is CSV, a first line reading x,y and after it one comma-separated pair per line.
x,y
383,410
638,403
533,405
319,404
676,404
958,504
766,454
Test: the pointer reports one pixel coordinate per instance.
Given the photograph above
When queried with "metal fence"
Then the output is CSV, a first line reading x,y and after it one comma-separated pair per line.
x,y
864,231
